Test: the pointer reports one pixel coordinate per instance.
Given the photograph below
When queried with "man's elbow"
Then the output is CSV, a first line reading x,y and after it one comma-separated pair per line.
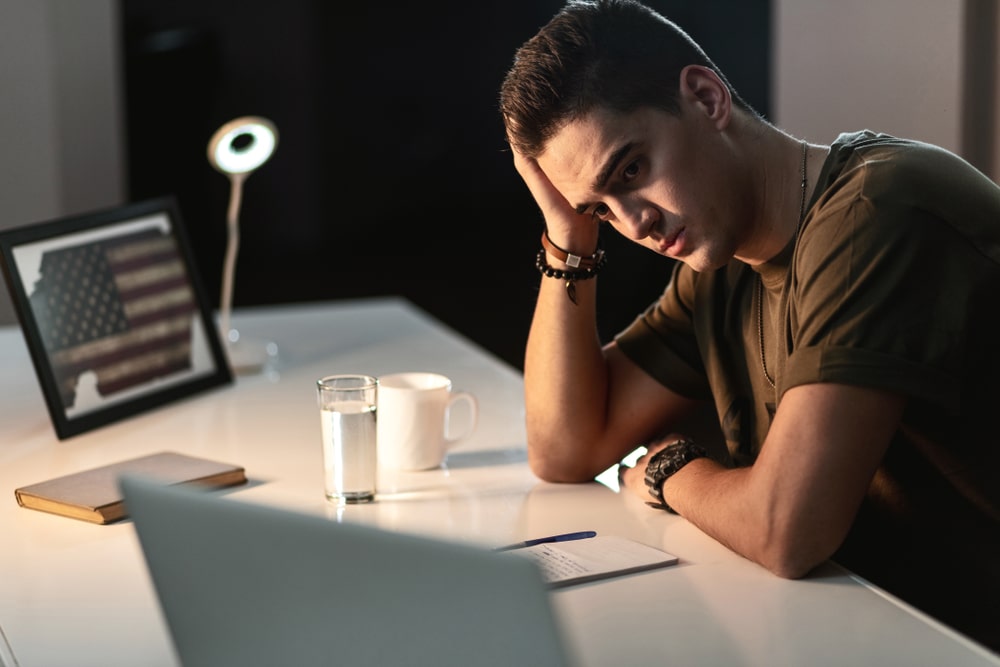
x,y
794,558
556,462
792,567
558,469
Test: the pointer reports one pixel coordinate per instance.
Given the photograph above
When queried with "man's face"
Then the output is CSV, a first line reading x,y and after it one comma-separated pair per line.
x,y
664,181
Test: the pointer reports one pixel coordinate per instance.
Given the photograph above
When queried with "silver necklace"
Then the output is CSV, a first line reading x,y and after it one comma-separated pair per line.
x,y
760,281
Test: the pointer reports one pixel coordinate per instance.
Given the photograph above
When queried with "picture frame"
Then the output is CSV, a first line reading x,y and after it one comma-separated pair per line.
x,y
113,312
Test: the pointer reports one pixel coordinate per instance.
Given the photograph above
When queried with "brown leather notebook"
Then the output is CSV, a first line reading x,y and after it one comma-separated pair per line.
x,y
93,495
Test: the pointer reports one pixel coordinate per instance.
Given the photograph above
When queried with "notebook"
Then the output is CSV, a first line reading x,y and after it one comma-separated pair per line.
x,y
93,495
573,562
246,584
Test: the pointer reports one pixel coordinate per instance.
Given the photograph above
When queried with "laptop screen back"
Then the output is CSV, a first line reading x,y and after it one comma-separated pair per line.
x,y
247,584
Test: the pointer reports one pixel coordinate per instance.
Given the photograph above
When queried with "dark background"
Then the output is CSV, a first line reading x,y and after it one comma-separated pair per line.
x,y
390,175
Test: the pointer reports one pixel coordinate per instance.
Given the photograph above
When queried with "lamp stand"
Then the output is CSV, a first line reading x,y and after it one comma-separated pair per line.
x,y
247,356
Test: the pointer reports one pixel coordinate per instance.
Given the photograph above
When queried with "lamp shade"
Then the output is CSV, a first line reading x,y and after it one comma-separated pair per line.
x,y
242,145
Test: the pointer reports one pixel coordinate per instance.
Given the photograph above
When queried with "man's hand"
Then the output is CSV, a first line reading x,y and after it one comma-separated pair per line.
x,y
634,479
567,229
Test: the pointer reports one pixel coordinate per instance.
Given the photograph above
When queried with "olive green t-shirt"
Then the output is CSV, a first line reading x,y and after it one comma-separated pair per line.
x,y
893,282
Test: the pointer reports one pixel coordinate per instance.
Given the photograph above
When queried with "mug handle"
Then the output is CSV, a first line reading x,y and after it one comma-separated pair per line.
x,y
470,400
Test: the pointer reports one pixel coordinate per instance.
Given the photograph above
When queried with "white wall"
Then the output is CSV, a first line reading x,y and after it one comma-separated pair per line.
x,y
897,66
61,119
887,65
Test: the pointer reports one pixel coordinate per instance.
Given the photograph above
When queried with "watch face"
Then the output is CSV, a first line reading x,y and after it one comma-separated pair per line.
x,y
670,459
668,465
665,463
657,471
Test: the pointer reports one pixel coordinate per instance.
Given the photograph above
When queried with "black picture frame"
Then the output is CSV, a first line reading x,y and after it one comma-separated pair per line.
x,y
113,312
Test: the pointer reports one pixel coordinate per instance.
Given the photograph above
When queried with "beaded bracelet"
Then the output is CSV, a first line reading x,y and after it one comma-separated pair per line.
x,y
569,276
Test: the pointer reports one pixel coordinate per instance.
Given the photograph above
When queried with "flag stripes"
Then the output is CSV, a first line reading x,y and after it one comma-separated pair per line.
x,y
122,308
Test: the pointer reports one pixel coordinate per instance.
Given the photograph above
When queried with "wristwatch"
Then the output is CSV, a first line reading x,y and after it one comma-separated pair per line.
x,y
665,463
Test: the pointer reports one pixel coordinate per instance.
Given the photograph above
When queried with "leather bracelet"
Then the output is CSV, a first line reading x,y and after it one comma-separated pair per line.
x,y
571,260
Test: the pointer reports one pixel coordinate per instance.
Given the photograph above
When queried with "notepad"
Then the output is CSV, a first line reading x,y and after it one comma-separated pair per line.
x,y
576,561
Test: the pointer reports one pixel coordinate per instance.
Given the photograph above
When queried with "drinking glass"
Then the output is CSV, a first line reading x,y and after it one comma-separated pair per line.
x,y
347,408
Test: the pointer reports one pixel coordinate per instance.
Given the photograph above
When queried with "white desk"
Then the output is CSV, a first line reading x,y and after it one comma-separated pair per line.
x,y
74,593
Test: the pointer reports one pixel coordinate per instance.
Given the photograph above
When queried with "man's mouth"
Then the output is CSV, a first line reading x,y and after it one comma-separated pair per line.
x,y
672,244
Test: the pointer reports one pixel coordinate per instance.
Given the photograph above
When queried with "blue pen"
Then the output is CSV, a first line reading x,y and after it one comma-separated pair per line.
x,y
565,537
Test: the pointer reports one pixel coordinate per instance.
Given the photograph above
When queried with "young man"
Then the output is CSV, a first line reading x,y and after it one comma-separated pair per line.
x,y
838,305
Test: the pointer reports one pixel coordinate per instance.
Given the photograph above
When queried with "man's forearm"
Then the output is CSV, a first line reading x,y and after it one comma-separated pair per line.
x,y
793,507
565,381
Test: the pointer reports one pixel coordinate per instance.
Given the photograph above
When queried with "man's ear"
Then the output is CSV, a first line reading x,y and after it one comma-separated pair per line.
x,y
701,87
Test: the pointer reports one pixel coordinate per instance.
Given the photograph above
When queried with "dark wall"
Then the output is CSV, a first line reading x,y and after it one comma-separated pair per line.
x,y
391,175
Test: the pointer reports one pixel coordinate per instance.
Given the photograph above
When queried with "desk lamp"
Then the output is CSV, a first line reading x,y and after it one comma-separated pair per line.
x,y
237,149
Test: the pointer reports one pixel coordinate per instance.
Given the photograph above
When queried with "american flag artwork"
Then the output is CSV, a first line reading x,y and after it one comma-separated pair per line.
x,y
121,307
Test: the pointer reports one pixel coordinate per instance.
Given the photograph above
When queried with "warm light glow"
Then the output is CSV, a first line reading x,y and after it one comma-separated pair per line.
x,y
242,145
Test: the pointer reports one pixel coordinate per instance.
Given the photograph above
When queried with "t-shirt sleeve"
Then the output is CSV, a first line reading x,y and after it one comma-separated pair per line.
x,y
662,341
868,306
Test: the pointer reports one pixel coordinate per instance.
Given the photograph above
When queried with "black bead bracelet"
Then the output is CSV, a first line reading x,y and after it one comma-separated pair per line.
x,y
564,274
569,276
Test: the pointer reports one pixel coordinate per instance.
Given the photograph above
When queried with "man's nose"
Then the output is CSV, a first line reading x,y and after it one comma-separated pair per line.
x,y
637,221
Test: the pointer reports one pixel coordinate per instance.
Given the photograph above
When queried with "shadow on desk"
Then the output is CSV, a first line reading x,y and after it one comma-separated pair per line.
x,y
485,458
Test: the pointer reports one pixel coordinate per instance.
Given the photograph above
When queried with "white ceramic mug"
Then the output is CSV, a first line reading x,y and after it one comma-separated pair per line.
x,y
414,419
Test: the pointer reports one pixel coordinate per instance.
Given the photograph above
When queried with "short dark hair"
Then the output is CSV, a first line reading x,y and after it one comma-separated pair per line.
x,y
614,54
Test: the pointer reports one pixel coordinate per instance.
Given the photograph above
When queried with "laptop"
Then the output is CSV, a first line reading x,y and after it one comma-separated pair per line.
x,y
246,584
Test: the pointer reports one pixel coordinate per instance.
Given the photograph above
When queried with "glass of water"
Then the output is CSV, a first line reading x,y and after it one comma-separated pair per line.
x,y
347,406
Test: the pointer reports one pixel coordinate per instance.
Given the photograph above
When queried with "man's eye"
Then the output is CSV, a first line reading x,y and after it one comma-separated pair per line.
x,y
601,212
631,171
